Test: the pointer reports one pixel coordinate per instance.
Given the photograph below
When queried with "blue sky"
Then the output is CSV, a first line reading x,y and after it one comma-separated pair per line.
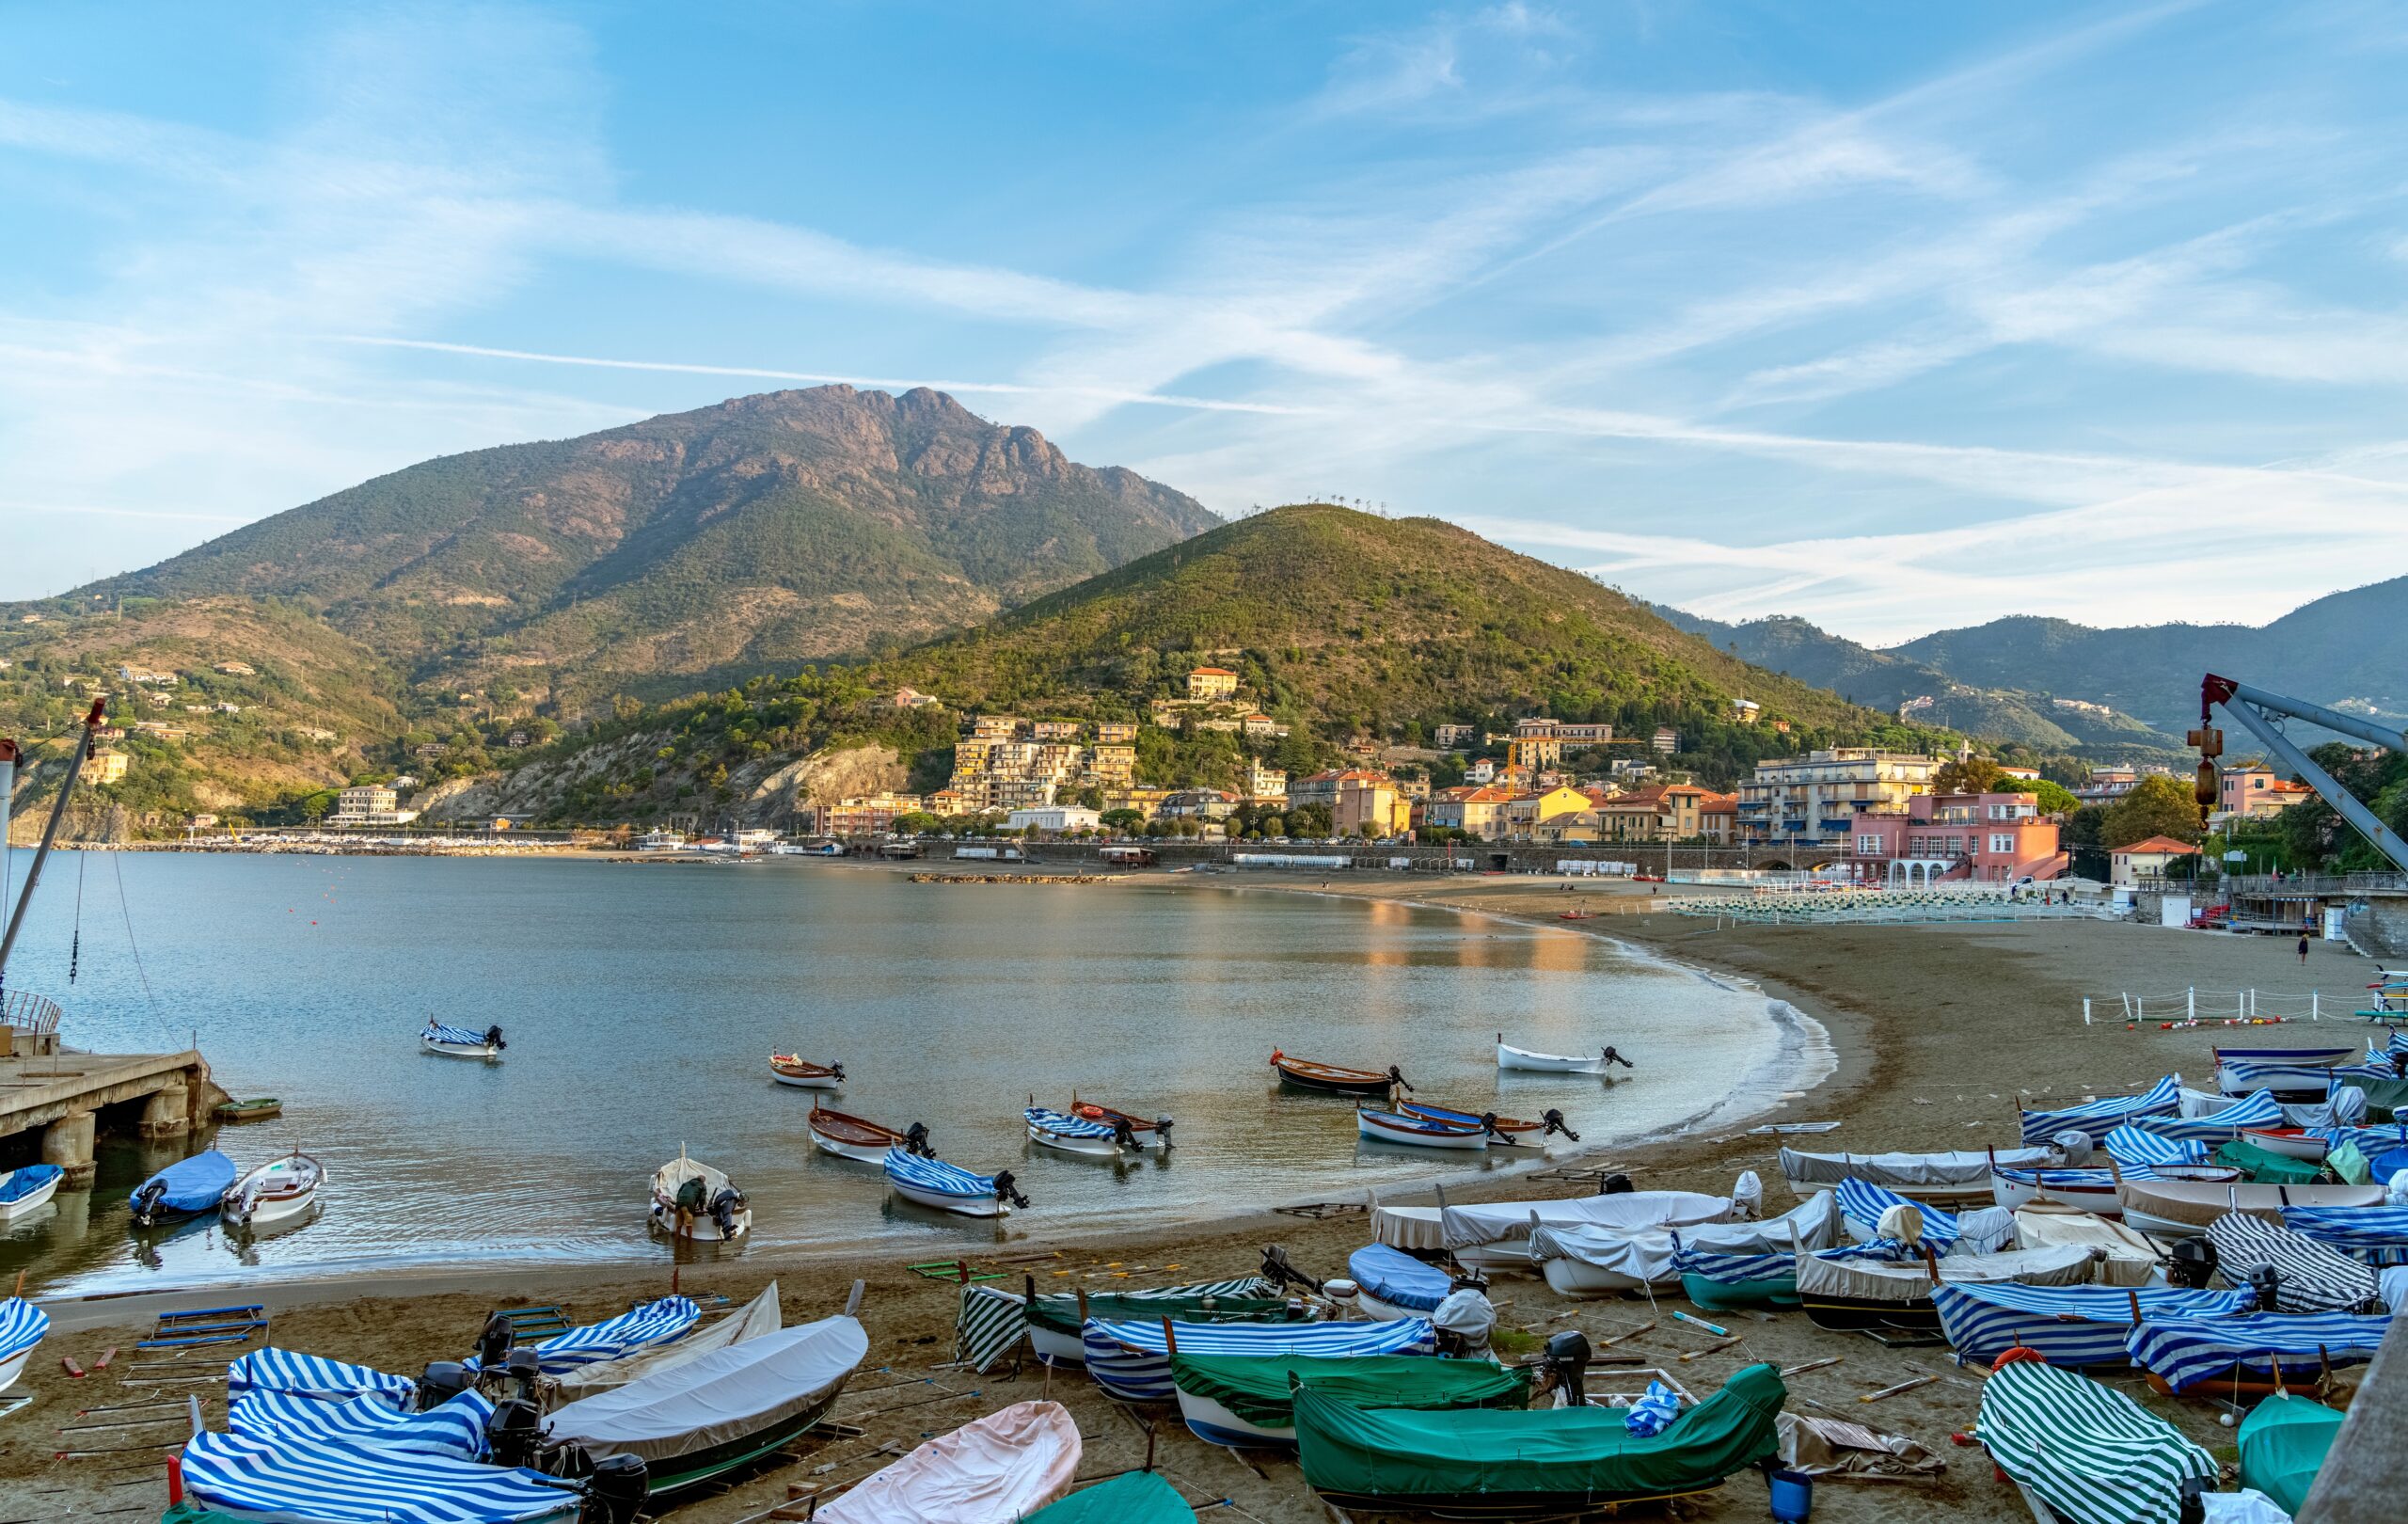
x,y
1896,317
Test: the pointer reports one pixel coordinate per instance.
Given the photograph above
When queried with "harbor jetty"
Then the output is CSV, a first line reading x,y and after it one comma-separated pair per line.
x,y
69,1098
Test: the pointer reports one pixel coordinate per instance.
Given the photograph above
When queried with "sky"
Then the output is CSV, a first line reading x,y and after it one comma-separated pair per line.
x,y
1895,317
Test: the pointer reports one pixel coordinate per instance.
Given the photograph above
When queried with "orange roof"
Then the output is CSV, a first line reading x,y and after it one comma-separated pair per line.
x,y
1210,672
2165,845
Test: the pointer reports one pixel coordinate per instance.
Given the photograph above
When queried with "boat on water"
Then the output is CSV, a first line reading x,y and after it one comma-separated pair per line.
x,y
848,1137
1504,1130
277,1194
21,1327
1147,1135
186,1188
257,1108
789,1068
1331,1079
1420,1132
460,1042
694,1201
1509,1057
947,1187
1089,1137
27,1189
997,1470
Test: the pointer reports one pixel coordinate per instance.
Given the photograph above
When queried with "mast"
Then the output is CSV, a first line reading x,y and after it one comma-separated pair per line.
x,y
50,832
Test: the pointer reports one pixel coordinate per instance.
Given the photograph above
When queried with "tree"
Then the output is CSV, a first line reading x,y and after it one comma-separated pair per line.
x,y
2158,805
1968,775
1124,820
2055,799
916,823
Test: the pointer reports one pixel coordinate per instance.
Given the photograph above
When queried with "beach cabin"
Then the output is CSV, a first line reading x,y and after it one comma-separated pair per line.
x,y
2148,860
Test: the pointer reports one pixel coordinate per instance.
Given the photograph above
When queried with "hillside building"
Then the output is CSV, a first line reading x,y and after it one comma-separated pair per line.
x,y
1211,683
1055,820
105,768
370,804
1817,797
2253,791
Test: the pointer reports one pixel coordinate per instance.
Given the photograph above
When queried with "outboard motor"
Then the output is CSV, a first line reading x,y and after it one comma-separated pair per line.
x,y
442,1381
723,1209
915,1141
2190,1263
1563,1365
1162,1130
1279,1272
616,1490
2267,1283
493,1343
515,1432
837,1069
1555,1123
1007,1191
1616,1185
146,1203
2188,1508
492,1037
1461,1278
523,1369
1609,1058
1123,1136
1397,1078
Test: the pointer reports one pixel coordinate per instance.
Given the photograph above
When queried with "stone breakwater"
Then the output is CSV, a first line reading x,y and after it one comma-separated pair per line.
x,y
1018,878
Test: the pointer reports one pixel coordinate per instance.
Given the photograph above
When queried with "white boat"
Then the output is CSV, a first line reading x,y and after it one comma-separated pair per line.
x,y
1509,1057
1067,1133
933,1182
2091,1190
1419,1131
791,1068
278,1193
1941,1179
459,1042
21,1327
2186,1209
848,1137
725,1214
2290,1142
27,1190
1495,1236
993,1471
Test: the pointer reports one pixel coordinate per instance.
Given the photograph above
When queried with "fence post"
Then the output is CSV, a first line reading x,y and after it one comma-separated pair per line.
x,y
2086,1010
2314,1013
2191,1003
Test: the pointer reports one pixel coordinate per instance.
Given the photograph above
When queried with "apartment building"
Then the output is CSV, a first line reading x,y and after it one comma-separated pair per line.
x,y
1817,797
1993,837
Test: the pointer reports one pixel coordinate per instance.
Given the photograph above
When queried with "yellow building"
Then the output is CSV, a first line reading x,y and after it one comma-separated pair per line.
x,y
1524,813
1211,683
1114,767
105,768
1116,732
1371,804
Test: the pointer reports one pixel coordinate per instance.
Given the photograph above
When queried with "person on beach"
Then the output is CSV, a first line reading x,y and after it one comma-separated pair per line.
x,y
2302,946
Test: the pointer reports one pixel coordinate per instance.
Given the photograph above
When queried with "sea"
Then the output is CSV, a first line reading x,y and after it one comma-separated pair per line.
x,y
641,1003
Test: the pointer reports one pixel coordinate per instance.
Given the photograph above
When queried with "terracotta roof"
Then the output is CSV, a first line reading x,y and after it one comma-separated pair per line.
x,y
2165,845
1210,672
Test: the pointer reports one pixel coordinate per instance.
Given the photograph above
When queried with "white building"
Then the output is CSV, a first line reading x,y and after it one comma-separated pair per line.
x,y
370,804
1055,820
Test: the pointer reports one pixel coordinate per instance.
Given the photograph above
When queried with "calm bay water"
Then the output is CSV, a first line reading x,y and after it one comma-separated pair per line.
x,y
641,1002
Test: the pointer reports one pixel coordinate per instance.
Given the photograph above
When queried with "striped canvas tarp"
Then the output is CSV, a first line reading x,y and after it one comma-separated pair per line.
x,y
2129,1145
2093,1455
2070,1325
1064,1123
2085,1178
994,1321
1983,1232
1732,1269
2372,1236
455,1428
654,1324
2236,1078
2184,1352
328,1482
2259,1108
438,1032
936,1175
2099,1117
21,1326
2345,1107
310,1376
1131,1360
2308,1277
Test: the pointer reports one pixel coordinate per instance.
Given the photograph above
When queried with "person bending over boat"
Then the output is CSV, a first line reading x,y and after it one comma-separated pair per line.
x,y
693,1200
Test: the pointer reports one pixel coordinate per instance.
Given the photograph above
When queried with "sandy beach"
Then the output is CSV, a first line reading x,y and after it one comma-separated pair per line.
x,y
1935,1030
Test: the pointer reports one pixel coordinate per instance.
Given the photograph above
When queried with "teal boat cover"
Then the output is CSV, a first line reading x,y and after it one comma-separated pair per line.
x,y
1570,1455
2264,1167
1130,1497
1256,1387
2283,1443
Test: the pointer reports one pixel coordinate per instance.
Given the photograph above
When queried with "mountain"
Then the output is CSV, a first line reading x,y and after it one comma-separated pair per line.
x,y
689,550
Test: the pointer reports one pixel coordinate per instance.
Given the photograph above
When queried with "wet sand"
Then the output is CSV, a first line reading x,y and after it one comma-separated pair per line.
x,y
1935,1030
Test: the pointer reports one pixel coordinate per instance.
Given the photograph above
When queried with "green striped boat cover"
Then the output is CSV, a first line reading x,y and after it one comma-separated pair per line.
x,y
2092,1454
1130,1497
992,1322
1255,1386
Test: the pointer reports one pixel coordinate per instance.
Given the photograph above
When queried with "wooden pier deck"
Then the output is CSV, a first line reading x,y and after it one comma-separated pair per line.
x,y
62,1094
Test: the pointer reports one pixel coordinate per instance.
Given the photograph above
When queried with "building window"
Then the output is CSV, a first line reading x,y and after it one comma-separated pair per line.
x,y
2002,843
1868,846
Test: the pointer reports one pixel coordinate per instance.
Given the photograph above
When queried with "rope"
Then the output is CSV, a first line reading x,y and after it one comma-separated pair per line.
x,y
126,909
75,945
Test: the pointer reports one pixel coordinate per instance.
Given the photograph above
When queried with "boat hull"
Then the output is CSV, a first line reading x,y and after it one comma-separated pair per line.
x,y
1212,1423
1546,1063
32,1201
1380,1310
1325,1085
1571,1277
2292,1143
864,1153
1379,1128
807,1082
960,1206
1055,1348
702,1466
281,1207
461,1050
13,1367
706,1227
1853,1314
1085,1148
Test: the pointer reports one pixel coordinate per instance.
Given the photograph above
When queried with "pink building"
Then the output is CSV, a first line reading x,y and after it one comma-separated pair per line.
x,y
1988,838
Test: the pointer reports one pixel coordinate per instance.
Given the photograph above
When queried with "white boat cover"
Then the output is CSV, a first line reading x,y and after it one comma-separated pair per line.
x,y
761,1315
718,1397
1909,1171
2131,1259
1451,1228
1648,1256
1874,1281
996,1470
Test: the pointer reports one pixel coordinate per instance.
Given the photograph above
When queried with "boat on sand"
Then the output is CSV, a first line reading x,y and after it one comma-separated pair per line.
x,y
997,1470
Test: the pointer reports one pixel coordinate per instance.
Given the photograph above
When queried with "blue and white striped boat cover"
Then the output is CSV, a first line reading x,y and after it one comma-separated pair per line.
x,y
2317,1077
2098,1117
2184,1352
2339,1053
937,1176
21,1326
1861,1204
1066,1125
2371,1141
2259,1108
2077,1180
438,1032
1131,1360
1398,1279
1732,1269
329,1482
663,1321
2309,1276
309,1375
2070,1325
2376,1235
455,1428
2131,1146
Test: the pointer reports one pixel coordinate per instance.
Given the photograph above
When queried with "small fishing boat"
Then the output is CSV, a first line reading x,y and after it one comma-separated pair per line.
x,y
997,1470
692,1201
1081,1135
2291,1142
1419,1131
857,1137
183,1189
1505,1130
25,1191
1844,1291
1509,1057
2092,1190
787,1069
1330,1079
257,1108
459,1042
21,1326
278,1193
2186,1209
1058,1320
1245,1400
1148,1134
933,1182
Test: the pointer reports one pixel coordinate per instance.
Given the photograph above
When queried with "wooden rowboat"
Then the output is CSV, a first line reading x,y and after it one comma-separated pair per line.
x,y
2290,1142
1419,1131
1507,1130
1509,1057
1150,1135
789,1069
857,1137
259,1108
1330,1079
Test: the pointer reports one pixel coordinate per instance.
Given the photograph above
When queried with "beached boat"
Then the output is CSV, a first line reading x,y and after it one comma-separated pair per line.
x,y
1130,1497
1582,1261
997,1470
1503,1130
756,1319
789,1069
692,1201
1092,1137
2096,1118
1057,1322
1844,1291
1509,1057
2127,1258
2071,1325
857,1137
1390,1283
720,1411
2092,1190
459,1042
1249,1400
1144,1134
2076,1448
2185,1209
231,1476
933,1182
2214,1119
2253,1354
1131,1360
277,1194
1960,1176
21,1326
1419,1131
2290,1142
1330,1079
2308,1277
1494,1235
186,1188
2284,1442
27,1189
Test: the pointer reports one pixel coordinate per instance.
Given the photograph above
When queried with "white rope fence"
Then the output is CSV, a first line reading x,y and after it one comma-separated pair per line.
x,y
2195,1003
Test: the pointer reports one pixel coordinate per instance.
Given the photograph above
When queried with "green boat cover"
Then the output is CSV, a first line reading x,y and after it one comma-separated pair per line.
x,y
2283,1441
2263,1167
2350,1165
1725,1296
1586,1455
1130,1497
2387,1100
1255,1386
1061,1313
189,1512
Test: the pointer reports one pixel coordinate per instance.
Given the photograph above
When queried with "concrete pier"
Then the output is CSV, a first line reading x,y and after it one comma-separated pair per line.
x,y
69,1097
